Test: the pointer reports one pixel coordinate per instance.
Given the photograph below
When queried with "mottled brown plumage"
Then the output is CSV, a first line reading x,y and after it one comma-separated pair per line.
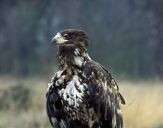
x,y
82,93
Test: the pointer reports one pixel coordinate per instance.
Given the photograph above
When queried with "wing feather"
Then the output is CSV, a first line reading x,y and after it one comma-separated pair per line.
x,y
104,95
54,108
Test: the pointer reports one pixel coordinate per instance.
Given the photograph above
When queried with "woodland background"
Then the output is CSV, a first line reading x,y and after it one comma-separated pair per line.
x,y
126,36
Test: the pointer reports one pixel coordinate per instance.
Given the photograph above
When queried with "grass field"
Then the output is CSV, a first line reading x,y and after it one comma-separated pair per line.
x,y
144,108
22,103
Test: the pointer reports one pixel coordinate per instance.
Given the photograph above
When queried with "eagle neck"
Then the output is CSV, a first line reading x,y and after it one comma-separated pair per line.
x,y
71,59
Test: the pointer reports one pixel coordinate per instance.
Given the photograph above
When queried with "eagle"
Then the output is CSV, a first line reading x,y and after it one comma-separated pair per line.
x,y
82,93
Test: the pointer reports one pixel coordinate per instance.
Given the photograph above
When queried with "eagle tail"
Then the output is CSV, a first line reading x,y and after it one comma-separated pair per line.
x,y
119,118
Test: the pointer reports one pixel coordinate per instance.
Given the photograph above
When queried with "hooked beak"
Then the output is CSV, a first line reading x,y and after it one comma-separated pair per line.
x,y
58,39
53,41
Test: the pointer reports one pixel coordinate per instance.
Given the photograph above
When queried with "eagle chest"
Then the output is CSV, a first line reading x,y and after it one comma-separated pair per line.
x,y
72,90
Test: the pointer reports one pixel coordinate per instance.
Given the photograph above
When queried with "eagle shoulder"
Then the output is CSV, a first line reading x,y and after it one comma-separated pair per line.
x,y
102,78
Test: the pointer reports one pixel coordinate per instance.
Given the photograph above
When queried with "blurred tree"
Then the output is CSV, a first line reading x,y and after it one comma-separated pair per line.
x,y
156,6
125,35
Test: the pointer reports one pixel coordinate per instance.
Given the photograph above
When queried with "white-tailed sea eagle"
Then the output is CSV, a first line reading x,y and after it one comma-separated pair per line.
x,y
82,93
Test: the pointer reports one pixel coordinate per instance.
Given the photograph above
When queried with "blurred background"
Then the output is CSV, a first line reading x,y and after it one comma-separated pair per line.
x,y
125,36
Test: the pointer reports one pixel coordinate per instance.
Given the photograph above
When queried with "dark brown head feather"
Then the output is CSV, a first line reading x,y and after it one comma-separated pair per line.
x,y
75,37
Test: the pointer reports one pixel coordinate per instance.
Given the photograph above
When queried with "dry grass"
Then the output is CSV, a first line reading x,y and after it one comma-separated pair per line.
x,y
144,108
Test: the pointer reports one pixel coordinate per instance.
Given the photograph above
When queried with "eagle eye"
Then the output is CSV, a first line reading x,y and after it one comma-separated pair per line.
x,y
66,36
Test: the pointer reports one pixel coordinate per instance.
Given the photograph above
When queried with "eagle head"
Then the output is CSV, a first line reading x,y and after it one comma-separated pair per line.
x,y
71,38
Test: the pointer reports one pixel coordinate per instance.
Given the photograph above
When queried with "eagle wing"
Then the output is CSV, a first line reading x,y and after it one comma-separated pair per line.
x,y
54,106
104,96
